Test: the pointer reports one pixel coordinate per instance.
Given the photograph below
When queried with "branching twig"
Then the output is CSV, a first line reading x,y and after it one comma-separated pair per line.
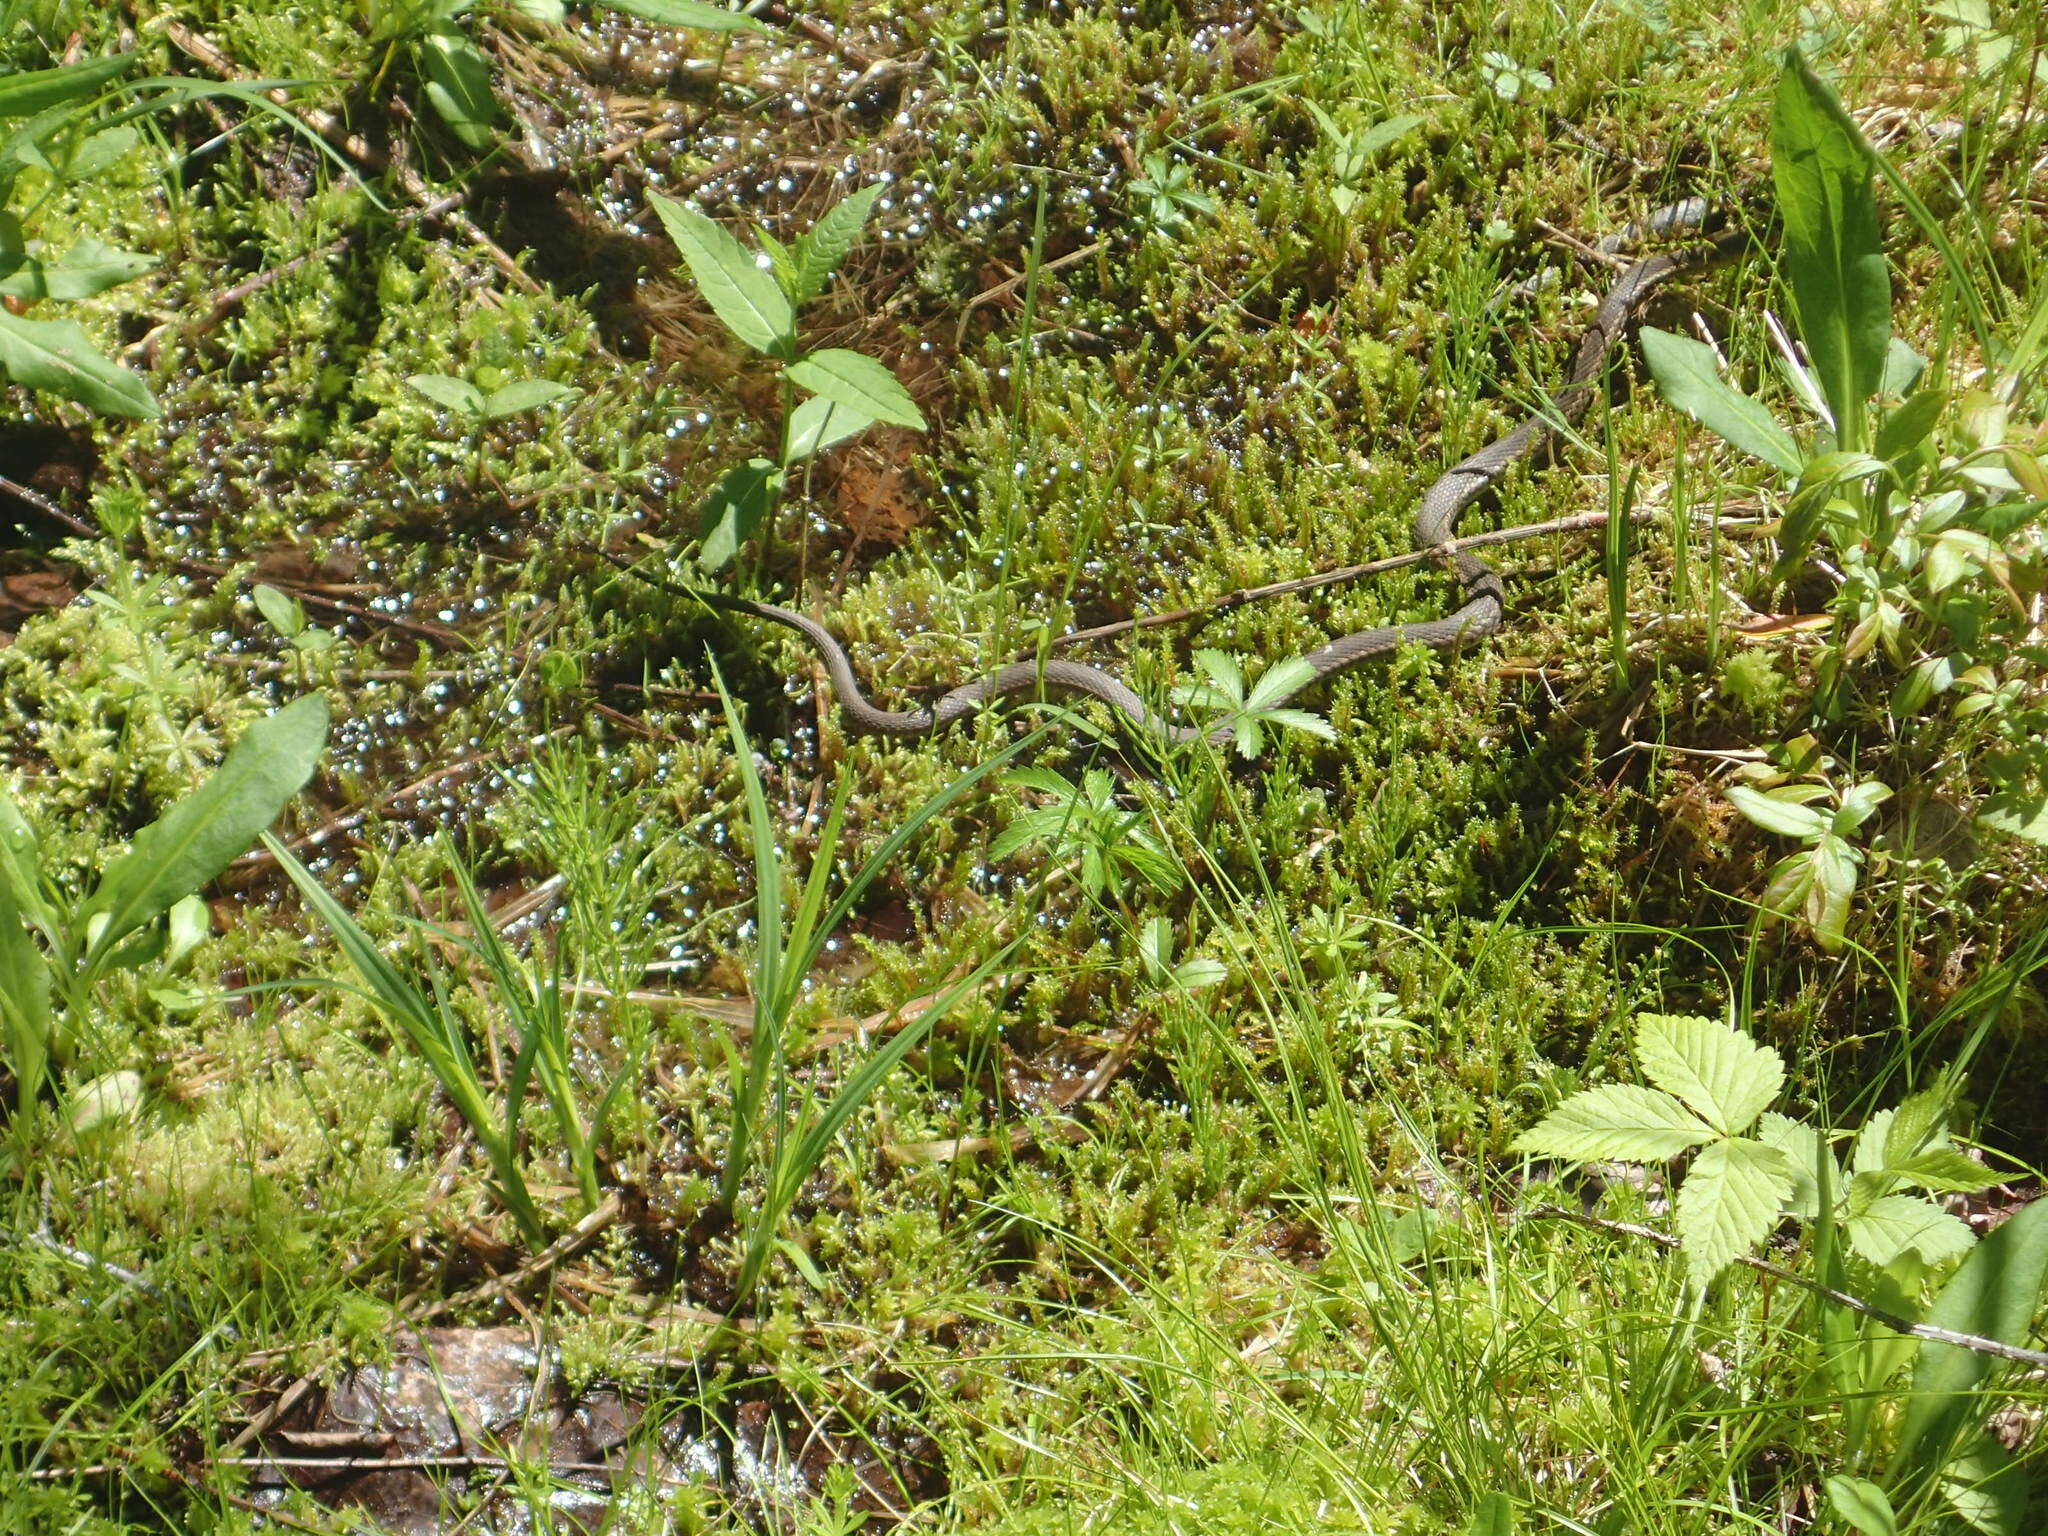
x,y
1891,1320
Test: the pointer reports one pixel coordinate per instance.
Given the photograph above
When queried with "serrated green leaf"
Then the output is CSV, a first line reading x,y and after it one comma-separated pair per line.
x,y
1299,720
195,839
1615,1120
1891,1224
1872,1143
818,423
746,298
1690,382
1278,681
826,244
692,15
1863,1504
86,269
1946,1171
1776,812
37,90
458,85
58,356
526,395
859,383
1724,1076
1729,1202
1804,1146
458,395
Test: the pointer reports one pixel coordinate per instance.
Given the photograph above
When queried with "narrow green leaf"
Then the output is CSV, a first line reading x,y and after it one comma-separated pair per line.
x,y
526,395
1380,135
693,15
458,395
745,297
1907,427
1995,1293
1720,1073
21,864
1729,1202
1863,1504
196,838
826,244
58,356
24,1002
88,268
859,383
1841,290
1689,381
1615,1120
37,90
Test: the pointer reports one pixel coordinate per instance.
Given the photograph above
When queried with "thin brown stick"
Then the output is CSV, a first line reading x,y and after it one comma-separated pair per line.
x,y
570,1243
1206,612
1891,1320
49,508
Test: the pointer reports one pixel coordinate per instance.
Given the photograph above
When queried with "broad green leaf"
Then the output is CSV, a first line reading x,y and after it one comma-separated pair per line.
x,y
692,14
280,612
93,155
1720,1073
1804,1146
821,250
1688,380
58,356
1776,813
458,85
37,90
817,424
1908,426
2017,814
1863,1504
188,925
21,863
458,395
1615,1120
86,269
859,383
1493,1515
1858,805
1841,290
1891,1224
1729,1202
196,838
733,511
1834,881
1903,368
745,297
1995,1293
1199,973
1987,1488
24,1001
526,395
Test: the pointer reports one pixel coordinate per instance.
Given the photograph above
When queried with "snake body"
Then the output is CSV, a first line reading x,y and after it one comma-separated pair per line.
x,y
1436,521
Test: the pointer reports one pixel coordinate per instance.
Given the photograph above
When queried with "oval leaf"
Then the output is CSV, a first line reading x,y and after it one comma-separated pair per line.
x,y
458,395
859,383
1687,378
58,356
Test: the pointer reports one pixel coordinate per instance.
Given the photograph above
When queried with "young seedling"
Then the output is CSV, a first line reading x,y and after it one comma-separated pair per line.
x,y
478,410
1250,711
1794,796
758,301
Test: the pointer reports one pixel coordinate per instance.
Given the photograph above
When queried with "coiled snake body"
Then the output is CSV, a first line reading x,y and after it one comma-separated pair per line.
x,y
1436,521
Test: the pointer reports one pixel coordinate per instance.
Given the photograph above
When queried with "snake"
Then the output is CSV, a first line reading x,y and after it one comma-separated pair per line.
x,y
1436,521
